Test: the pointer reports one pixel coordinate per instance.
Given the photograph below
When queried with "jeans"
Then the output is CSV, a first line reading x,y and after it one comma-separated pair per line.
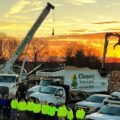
x,y
13,113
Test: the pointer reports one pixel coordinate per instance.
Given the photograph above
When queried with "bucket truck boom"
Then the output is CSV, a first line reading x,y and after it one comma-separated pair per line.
x,y
8,79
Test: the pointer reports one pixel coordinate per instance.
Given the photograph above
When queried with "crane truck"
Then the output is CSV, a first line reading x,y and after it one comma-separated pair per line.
x,y
8,78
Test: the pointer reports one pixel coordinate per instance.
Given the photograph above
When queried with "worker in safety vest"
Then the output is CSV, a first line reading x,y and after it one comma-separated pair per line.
x,y
22,107
70,115
52,111
62,112
44,110
80,114
36,109
14,106
30,104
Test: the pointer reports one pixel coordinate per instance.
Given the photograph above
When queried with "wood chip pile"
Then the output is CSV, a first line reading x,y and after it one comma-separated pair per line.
x,y
114,81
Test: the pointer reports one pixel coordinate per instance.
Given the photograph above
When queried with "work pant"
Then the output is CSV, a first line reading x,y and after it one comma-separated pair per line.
x,y
22,115
44,117
29,114
13,113
61,118
51,117
8,113
36,116
4,112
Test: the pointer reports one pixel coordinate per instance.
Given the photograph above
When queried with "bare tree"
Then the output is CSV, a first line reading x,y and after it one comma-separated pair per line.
x,y
38,49
3,38
11,46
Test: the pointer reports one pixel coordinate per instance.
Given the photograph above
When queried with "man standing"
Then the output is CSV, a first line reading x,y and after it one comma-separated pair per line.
x,y
70,115
22,108
14,106
44,110
36,110
30,106
62,112
52,111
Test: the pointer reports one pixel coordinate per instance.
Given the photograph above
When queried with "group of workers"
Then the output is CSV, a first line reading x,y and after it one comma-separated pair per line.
x,y
35,110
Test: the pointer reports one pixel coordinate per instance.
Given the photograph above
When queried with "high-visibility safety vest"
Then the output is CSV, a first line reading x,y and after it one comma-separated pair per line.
x,y
30,105
14,104
52,111
70,115
80,114
22,106
36,108
62,111
45,109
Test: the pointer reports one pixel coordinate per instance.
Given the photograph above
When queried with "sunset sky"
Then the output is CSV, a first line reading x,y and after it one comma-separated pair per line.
x,y
84,21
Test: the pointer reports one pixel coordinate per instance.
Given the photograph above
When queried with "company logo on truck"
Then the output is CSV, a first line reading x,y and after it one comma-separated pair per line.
x,y
74,81
82,76
82,80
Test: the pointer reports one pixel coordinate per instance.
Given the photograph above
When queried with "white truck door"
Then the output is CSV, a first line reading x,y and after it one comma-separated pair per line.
x,y
60,96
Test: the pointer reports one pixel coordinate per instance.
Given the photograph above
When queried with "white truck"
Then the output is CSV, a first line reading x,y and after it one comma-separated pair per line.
x,y
7,74
75,82
82,79
51,94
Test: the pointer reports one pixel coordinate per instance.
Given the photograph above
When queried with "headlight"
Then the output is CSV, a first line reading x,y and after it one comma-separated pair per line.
x,y
91,110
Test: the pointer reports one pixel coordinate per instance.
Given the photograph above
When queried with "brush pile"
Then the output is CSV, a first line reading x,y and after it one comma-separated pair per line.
x,y
114,81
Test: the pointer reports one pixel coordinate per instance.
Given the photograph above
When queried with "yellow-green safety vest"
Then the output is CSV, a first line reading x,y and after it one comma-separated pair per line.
x,y
45,109
62,111
70,115
80,114
30,105
52,110
36,108
14,104
22,106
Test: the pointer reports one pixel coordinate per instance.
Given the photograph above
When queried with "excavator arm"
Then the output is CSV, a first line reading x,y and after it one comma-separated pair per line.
x,y
7,67
107,36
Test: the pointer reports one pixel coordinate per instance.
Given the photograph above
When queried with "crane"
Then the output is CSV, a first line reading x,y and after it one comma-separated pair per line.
x,y
107,36
7,67
8,79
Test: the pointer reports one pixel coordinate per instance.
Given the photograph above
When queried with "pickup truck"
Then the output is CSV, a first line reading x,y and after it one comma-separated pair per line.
x,y
51,94
110,111
92,103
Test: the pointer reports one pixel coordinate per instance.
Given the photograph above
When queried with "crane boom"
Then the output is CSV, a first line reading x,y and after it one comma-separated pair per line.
x,y
7,67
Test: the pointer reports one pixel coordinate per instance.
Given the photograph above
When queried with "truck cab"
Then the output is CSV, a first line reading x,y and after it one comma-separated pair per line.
x,y
8,84
110,111
51,94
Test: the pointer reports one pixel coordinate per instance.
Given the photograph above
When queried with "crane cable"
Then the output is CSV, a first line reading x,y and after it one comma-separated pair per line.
x,y
53,31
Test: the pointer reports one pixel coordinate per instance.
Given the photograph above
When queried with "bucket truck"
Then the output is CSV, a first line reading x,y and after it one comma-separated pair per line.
x,y
8,78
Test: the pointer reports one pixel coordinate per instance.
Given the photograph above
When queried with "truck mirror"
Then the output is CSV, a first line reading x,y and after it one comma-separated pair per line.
x,y
61,93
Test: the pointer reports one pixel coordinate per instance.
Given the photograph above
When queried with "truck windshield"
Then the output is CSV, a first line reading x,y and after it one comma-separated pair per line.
x,y
8,79
96,99
110,110
47,90
45,82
